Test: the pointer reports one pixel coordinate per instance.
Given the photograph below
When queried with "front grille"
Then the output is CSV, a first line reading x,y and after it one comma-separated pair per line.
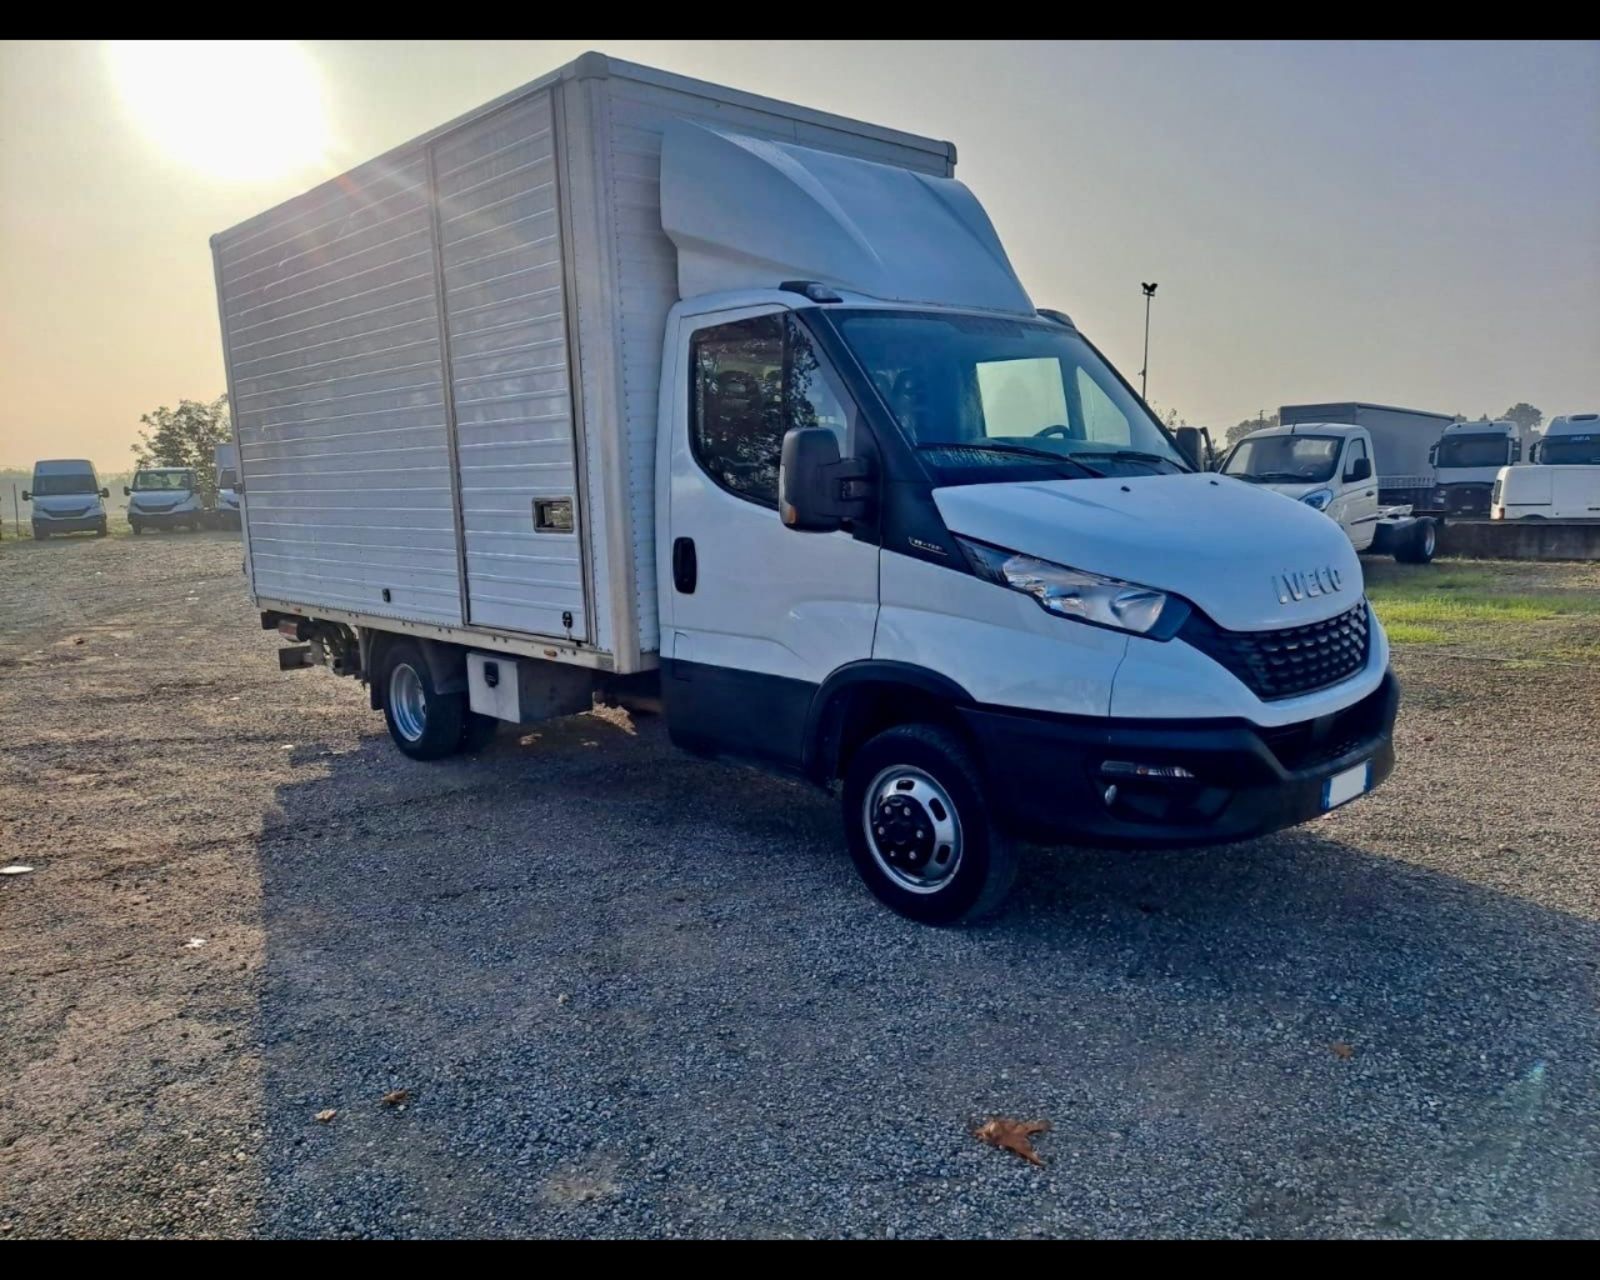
x,y
1290,660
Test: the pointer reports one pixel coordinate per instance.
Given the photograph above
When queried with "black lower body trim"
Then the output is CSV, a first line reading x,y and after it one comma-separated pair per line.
x,y
730,713
1047,782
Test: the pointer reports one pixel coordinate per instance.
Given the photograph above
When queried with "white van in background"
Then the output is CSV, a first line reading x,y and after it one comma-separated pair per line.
x,y
1563,483
67,498
164,498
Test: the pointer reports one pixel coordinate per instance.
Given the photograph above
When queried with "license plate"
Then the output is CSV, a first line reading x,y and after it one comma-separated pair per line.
x,y
1347,785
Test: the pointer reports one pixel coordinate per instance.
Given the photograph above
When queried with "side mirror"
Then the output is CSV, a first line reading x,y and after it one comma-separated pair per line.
x,y
1433,454
1191,446
1360,469
105,493
817,489
1533,456
26,496
126,492
1516,452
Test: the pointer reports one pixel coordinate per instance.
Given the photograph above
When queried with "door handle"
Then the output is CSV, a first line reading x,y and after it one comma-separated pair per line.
x,y
685,570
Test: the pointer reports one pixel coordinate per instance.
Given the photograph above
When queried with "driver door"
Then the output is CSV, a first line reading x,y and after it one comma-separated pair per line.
x,y
754,615
1359,515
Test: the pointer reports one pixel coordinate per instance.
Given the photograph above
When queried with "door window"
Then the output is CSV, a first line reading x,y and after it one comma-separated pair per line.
x,y
1357,451
749,382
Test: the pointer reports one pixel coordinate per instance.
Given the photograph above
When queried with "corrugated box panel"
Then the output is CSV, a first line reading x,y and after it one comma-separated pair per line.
x,y
331,319
501,243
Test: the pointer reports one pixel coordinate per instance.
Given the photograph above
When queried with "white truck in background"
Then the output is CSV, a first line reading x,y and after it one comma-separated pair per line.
x,y
1466,460
631,387
165,498
1328,466
226,511
1564,481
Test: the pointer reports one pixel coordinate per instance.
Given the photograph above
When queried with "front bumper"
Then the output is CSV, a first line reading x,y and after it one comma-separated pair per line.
x,y
162,519
1467,501
69,524
1046,784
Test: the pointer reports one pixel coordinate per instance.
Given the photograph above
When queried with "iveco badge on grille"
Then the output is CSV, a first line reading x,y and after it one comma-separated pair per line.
x,y
1295,584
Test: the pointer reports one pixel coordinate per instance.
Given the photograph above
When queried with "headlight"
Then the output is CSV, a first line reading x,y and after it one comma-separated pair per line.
x,y
1072,593
1318,499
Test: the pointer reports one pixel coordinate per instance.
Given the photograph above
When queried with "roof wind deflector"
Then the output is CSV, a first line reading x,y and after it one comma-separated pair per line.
x,y
746,212
812,289
1060,317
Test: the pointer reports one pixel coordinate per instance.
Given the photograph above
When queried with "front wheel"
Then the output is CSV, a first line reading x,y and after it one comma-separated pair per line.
x,y
424,723
137,528
919,827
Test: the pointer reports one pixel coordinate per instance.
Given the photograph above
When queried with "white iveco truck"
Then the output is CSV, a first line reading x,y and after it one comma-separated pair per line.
x,y
632,387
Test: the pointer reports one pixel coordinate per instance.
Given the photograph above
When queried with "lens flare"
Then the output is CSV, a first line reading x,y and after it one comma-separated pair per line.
x,y
237,110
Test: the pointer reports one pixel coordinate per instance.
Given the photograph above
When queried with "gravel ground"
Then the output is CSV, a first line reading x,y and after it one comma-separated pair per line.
x,y
631,993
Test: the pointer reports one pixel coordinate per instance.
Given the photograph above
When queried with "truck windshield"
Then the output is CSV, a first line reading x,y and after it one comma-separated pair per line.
x,y
977,394
174,480
1285,459
1480,450
55,486
1571,451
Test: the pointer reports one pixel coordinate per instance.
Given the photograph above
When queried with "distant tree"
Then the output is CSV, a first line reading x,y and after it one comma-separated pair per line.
x,y
1524,415
187,436
1244,428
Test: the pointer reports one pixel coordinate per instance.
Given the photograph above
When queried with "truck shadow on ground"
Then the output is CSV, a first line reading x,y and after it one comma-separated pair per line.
x,y
629,992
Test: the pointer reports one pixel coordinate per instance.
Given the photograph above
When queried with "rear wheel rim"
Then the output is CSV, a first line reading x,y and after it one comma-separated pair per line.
x,y
912,828
408,704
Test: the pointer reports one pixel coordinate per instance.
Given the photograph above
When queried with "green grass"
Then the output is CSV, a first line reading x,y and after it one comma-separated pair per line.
x,y
1411,633
1512,615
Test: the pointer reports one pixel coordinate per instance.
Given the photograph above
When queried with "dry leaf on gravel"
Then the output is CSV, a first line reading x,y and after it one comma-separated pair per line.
x,y
326,1117
1013,1135
1341,1050
396,1096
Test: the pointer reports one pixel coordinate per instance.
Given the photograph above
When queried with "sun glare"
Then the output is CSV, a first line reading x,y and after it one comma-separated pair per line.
x,y
241,110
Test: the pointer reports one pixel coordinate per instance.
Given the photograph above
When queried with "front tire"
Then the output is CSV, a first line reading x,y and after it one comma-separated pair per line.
x,y
424,723
137,528
919,828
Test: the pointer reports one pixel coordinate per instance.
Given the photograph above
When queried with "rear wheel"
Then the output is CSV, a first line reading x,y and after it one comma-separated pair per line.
x,y
424,723
1420,544
919,829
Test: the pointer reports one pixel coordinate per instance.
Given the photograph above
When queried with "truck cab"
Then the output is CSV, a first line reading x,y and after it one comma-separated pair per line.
x,y
1564,482
164,498
67,498
1467,458
1325,465
1329,467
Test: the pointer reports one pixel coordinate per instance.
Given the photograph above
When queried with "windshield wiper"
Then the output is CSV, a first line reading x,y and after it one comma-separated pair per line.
x,y
1020,450
1133,454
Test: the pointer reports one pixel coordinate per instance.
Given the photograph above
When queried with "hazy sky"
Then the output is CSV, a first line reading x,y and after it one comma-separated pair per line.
x,y
1415,224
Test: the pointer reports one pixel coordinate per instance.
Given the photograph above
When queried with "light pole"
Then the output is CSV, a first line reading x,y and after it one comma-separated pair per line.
x,y
1149,293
